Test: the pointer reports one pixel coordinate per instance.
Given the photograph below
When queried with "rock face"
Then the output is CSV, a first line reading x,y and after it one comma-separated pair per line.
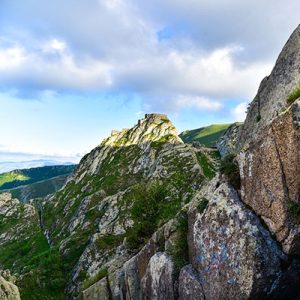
x,y
228,142
8,291
189,287
158,281
270,173
273,92
233,255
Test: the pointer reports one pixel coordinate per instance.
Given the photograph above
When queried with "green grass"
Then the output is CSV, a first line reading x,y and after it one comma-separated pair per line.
x,y
11,177
295,209
206,136
202,205
230,169
17,178
294,95
90,281
207,167
179,251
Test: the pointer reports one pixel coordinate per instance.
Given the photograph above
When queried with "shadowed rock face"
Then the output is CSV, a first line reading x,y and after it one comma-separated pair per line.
x,y
273,91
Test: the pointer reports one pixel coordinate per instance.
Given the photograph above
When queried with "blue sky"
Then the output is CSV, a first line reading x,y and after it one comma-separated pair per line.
x,y
73,70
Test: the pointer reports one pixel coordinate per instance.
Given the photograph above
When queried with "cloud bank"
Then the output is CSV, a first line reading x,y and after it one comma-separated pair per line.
x,y
173,55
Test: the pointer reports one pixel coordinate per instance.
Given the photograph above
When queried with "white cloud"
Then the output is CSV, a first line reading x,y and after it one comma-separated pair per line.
x,y
239,112
112,45
11,58
199,103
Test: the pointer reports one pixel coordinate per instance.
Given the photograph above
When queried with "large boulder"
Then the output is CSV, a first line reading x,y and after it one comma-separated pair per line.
x,y
233,255
158,282
8,290
189,287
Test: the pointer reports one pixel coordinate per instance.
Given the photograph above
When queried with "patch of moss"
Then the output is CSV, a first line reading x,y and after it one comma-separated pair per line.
x,y
202,205
179,250
294,95
109,241
90,281
230,169
295,209
207,167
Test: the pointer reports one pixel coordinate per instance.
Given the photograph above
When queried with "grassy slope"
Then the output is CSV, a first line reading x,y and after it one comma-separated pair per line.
x,y
17,178
207,136
12,176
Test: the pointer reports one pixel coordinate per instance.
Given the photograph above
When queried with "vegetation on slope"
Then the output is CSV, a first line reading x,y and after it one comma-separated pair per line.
x,y
27,254
27,176
207,136
39,189
294,95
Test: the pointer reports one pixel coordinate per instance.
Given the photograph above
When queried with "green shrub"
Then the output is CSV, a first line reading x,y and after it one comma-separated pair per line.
x,y
258,118
207,167
109,241
295,209
179,250
90,281
294,95
230,169
202,205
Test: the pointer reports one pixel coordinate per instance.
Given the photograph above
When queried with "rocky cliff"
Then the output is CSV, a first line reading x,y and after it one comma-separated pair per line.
x,y
8,290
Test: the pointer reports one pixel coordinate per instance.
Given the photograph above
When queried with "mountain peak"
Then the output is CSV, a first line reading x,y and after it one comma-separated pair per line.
x,y
153,127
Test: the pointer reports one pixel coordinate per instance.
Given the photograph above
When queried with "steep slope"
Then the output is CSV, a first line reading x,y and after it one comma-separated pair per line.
x,y
25,251
121,193
206,136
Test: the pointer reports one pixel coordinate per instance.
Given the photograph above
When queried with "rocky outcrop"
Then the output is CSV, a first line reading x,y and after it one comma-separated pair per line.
x,y
158,282
189,287
228,142
271,99
8,289
233,255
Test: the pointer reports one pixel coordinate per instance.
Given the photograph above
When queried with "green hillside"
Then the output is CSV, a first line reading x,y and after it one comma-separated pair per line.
x,y
12,177
39,189
206,136
18,178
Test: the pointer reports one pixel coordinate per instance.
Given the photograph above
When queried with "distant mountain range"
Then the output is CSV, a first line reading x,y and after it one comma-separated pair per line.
x,y
7,166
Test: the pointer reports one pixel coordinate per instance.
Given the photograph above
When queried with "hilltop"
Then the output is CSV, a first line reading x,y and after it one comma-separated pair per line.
x,y
206,136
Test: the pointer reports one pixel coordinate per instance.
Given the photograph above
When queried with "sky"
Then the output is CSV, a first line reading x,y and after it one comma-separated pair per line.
x,y
73,70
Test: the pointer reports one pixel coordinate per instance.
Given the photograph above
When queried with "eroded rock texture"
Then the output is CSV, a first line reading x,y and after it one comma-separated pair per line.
x,y
8,289
270,173
232,253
